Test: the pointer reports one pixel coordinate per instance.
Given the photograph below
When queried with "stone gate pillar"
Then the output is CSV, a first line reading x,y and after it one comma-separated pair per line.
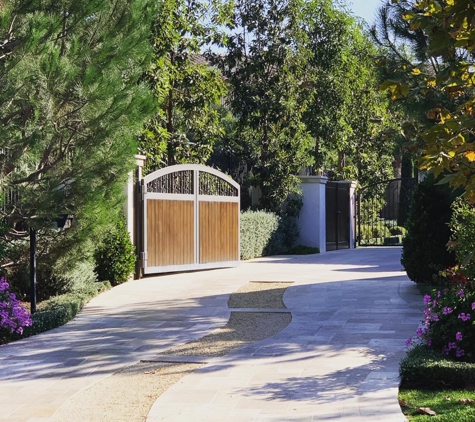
x,y
312,218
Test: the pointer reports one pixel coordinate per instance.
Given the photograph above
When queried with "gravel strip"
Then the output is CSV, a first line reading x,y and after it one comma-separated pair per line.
x,y
242,328
125,396
259,295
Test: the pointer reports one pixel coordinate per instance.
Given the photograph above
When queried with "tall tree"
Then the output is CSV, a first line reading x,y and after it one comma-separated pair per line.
x,y
265,68
71,106
346,115
188,89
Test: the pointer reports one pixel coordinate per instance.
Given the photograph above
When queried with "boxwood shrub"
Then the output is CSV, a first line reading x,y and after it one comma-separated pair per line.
x,y
59,310
425,368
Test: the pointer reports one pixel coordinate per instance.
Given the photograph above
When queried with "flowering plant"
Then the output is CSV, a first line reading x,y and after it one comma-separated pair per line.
x,y
449,317
13,316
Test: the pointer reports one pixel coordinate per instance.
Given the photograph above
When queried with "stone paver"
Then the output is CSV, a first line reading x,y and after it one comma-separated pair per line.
x,y
337,360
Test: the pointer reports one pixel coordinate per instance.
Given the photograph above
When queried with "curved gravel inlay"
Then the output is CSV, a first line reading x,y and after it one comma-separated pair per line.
x,y
260,294
127,395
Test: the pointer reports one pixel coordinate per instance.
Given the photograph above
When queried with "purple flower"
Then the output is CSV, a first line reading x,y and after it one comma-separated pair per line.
x,y
408,341
447,310
452,345
458,336
13,317
459,353
427,299
473,306
419,332
435,318
460,293
464,317
429,342
438,293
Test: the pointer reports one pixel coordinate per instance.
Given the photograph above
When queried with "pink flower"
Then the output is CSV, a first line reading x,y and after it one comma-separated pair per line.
x,y
458,336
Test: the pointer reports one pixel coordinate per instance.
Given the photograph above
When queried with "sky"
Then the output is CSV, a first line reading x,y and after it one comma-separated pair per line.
x,y
365,9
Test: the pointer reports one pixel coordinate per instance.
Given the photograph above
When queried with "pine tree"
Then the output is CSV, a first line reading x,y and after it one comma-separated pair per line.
x,y
71,106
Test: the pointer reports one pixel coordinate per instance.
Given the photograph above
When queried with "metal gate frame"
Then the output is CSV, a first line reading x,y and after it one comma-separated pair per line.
x,y
197,198
345,243
412,182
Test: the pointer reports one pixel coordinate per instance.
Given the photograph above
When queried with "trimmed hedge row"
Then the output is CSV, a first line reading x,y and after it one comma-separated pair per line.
x,y
425,368
61,309
264,233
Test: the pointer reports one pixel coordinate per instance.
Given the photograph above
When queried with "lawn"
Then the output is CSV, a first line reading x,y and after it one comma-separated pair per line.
x,y
448,404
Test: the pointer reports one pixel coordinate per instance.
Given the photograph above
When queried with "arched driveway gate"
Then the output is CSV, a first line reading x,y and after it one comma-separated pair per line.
x,y
190,219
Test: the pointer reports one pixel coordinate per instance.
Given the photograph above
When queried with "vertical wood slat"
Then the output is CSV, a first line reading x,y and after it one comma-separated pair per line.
x,y
170,227
218,225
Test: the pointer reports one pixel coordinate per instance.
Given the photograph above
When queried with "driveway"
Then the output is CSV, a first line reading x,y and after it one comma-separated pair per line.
x,y
338,359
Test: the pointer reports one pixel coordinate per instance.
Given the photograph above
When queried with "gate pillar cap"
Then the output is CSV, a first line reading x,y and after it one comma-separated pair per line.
x,y
140,160
314,179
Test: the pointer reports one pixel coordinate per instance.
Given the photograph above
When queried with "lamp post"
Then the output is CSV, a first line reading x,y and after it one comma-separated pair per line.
x,y
62,222
33,270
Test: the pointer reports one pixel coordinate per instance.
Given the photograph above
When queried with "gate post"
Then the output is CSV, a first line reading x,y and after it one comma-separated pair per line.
x,y
353,214
138,215
312,218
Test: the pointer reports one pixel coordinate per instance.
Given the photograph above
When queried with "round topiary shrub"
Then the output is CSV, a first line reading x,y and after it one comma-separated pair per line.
x,y
115,257
424,251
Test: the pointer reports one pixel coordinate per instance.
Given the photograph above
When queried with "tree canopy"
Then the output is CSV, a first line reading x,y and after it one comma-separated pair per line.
x,y
71,106
446,75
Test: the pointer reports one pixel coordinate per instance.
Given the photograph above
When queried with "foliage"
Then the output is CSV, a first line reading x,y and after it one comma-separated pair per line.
x,y
302,250
447,28
424,246
346,115
264,233
462,225
447,325
187,122
397,230
13,316
71,107
448,404
423,367
59,310
54,277
376,230
115,257
264,66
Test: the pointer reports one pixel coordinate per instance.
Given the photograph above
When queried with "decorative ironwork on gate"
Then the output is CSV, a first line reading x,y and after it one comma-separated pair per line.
x,y
190,219
382,211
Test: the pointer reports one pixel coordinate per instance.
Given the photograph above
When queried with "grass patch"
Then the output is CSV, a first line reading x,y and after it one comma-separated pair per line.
x,y
444,402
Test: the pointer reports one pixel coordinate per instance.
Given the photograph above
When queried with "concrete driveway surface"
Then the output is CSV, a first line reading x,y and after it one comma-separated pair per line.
x,y
352,311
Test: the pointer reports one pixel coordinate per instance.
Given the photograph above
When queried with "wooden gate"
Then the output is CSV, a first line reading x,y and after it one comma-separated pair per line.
x,y
191,219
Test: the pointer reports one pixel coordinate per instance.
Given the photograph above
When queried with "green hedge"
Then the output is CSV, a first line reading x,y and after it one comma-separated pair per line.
x,y
59,310
264,233
259,234
424,251
425,368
